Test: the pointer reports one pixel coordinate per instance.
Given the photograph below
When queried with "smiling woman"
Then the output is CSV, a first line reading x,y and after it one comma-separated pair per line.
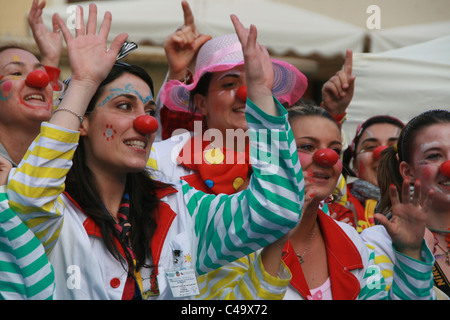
x,y
361,160
215,158
421,155
321,259
110,230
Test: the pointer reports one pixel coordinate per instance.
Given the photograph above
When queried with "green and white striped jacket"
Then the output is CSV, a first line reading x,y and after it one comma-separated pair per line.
x,y
25,272
209,230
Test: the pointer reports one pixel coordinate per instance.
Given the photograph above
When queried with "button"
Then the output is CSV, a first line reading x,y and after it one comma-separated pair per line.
x,y
115,282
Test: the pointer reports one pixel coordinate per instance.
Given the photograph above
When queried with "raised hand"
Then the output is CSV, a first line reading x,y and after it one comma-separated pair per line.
x,y
90,62
49,42
182,46
90,59
258,67
337,92
408,223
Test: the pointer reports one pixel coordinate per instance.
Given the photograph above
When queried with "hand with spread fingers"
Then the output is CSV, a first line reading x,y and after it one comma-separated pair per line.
x,y
49,42
408,223
90,59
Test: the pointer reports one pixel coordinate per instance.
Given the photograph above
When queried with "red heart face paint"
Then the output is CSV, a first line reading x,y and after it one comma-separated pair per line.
x,y
109,132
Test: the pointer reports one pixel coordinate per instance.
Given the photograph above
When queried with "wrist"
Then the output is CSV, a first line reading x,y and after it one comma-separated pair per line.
x,y
338,117
51,62
185,77
414,253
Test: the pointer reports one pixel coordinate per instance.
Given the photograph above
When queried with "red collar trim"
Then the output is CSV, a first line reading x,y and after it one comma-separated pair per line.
x,y
92,228
165,217
342,256
161,193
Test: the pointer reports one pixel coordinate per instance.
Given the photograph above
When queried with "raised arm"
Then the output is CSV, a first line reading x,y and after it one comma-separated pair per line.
x,y
231,226
90,61
49,42
337,92
258,68
182,46
48,159
399,249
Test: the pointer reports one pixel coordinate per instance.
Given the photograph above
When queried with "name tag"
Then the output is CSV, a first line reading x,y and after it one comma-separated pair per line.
x,y
183,283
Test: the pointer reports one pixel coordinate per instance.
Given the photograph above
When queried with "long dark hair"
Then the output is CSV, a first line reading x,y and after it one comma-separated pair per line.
x,y
81,186
388,170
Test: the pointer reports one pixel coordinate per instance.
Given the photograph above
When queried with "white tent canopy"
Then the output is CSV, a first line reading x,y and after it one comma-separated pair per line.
x,y
393,38
401,83
282,28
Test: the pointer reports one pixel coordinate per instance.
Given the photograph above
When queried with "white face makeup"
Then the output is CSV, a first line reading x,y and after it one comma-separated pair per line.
x,y
221,107
112,141
432,148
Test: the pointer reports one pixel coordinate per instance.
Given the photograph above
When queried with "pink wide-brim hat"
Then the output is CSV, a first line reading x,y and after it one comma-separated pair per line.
x,y
224,53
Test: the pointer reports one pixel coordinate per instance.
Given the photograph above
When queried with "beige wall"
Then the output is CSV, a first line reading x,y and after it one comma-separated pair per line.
x,y
13,26
393,12
14,29
13,20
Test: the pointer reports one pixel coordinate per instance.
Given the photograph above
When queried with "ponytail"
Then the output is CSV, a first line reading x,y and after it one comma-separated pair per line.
x,y
388,173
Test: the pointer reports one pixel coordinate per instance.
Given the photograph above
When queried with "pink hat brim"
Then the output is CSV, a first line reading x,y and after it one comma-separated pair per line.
x,y
288,87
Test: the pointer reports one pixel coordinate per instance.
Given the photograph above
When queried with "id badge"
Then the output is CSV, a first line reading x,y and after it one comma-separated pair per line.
x,y
183,283
182,279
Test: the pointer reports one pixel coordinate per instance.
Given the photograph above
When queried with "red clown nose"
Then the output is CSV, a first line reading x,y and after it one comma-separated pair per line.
x,y
326,157
445,168
146,124
37,79
377,151
242,93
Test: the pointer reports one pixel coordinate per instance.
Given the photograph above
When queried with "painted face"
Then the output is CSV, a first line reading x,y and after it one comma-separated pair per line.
x,y
222,107
431,149
111,139
365,164
21,103
313,133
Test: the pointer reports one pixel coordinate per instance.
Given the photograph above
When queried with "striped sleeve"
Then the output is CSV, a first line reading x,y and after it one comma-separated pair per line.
x,y
406,278
413,279
244,279
34,188
25,272
229,227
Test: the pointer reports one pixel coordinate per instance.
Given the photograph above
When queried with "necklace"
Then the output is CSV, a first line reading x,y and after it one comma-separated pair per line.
x,y
439,231
442,255
300,256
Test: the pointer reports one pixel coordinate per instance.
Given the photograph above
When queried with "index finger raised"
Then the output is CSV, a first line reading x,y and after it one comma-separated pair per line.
x,y
187,13
348,64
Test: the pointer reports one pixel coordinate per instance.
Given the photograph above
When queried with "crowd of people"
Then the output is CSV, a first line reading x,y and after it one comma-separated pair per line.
x,y
227,184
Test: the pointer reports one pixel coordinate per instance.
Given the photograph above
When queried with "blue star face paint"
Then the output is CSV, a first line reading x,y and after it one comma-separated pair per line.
x,y
126,90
